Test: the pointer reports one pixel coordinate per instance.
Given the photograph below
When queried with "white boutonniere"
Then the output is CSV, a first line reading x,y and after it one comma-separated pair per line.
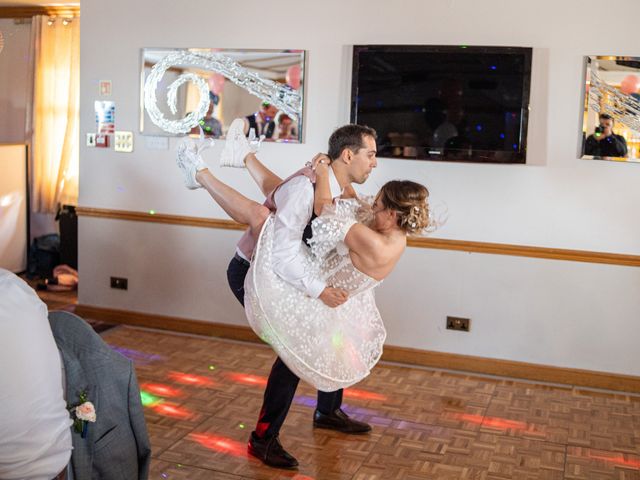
x,y
82,413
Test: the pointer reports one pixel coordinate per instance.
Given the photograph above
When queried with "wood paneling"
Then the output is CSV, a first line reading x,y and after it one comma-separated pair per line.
x,y
418,242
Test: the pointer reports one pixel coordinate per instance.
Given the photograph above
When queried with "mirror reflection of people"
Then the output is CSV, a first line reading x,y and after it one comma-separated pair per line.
x,y
286,128
262,121
603,142
211,126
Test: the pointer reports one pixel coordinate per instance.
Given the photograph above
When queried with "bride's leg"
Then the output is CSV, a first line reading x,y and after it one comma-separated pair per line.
x,y
264,178
237,206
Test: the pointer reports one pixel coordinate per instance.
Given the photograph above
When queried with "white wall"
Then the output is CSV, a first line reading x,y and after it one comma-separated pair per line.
x,y
13,80
541,311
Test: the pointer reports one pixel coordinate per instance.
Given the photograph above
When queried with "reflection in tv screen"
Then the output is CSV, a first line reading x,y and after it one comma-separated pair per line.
x,y
447,103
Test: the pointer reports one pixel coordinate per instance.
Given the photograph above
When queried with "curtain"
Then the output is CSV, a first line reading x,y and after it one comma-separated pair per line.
x,y
54,113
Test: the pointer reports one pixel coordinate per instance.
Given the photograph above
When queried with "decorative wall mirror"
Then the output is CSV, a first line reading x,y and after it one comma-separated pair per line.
x,y
184,91
611,124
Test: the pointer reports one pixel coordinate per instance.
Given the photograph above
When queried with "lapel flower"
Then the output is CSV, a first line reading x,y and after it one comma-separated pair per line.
x,y
82,413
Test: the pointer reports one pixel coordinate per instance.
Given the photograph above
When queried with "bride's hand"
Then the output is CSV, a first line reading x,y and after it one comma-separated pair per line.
x,y
320,163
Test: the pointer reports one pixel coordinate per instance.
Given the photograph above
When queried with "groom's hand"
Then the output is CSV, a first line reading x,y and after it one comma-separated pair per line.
x,y
333,297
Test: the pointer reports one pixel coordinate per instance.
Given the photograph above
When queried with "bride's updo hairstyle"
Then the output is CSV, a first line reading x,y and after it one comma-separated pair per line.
x,y
410,200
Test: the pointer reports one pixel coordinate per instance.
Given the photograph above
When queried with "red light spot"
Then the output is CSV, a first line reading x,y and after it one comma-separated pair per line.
x,y
162,390
617,459
188,379
493,422
248,379
220,444
364,395
174,411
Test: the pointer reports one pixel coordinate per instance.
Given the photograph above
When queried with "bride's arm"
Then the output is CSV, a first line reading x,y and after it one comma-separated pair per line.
x,y
322,193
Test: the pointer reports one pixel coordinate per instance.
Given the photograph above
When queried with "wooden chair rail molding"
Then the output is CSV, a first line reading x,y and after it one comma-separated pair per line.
x,y
419,242
30,11
409,356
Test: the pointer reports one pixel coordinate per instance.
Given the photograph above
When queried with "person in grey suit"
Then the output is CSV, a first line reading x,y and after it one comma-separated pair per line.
x,y
116,446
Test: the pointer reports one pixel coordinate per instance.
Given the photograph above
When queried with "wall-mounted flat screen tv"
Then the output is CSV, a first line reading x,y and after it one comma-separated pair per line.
x,y
448,103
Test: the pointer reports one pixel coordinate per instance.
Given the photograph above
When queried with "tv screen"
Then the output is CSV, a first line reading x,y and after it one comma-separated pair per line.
x,y
449,103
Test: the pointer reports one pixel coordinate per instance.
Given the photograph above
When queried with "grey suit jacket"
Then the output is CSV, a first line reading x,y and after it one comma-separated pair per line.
x,y
116,446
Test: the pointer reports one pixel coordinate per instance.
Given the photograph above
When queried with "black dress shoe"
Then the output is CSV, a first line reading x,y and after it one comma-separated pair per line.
x,y
270,452
340,421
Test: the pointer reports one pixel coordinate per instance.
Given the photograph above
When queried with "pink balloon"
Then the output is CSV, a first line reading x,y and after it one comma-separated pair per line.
x,y
293,77
630,84
216,83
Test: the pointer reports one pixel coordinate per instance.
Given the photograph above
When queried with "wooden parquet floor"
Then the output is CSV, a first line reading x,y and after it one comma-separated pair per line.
x,y
202,397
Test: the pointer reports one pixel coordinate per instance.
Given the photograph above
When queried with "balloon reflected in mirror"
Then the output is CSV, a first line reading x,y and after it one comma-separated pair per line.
x,y
611,123
201,91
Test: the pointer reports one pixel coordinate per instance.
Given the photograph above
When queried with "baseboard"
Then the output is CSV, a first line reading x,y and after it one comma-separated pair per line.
x,y
409,356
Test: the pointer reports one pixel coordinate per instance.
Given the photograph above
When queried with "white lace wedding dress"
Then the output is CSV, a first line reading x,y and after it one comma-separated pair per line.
x,y
330,348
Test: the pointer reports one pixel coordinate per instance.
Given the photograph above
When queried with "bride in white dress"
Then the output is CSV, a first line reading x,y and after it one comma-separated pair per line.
x,y
355,244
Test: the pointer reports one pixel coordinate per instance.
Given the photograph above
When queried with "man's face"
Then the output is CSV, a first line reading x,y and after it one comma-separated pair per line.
x,y
363,161
607,126
268,112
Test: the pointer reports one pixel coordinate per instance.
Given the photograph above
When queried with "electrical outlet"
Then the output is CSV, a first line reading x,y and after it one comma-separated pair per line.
x,y
458,323
119,283
123,141
91,139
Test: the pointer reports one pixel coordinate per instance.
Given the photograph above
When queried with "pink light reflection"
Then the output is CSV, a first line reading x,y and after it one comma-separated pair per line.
x,y
364,395
220,444
617,459
493,422
173,411
189,379
161,389
247,379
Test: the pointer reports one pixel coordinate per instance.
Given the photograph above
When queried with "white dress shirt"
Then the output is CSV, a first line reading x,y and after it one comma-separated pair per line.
x,y
294,208
35,438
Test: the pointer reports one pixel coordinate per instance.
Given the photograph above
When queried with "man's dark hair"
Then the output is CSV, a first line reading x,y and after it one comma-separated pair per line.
x,y
606,116
349,136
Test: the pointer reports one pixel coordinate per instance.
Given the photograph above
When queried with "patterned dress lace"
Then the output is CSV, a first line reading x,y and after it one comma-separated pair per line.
x,y
330,348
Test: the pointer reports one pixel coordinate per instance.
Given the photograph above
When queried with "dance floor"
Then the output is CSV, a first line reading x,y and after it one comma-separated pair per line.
x,y
201,396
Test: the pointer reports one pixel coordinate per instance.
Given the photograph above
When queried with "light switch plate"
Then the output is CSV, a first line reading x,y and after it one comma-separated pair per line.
x,y
123,141
91,139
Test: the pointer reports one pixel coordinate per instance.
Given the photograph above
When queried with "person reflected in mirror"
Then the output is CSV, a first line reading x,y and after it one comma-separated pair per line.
x,y
262,121
210,125
603,142
286,128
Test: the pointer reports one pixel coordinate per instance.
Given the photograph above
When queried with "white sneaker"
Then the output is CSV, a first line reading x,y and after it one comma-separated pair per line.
x,y
236,147
190,162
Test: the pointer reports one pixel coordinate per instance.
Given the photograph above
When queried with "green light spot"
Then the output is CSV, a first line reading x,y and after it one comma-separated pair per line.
x,y
336,340
463,46
241,425
152,212
211,367
149,400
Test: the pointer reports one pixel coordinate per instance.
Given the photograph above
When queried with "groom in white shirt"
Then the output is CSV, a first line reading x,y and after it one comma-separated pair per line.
x,y
352,151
